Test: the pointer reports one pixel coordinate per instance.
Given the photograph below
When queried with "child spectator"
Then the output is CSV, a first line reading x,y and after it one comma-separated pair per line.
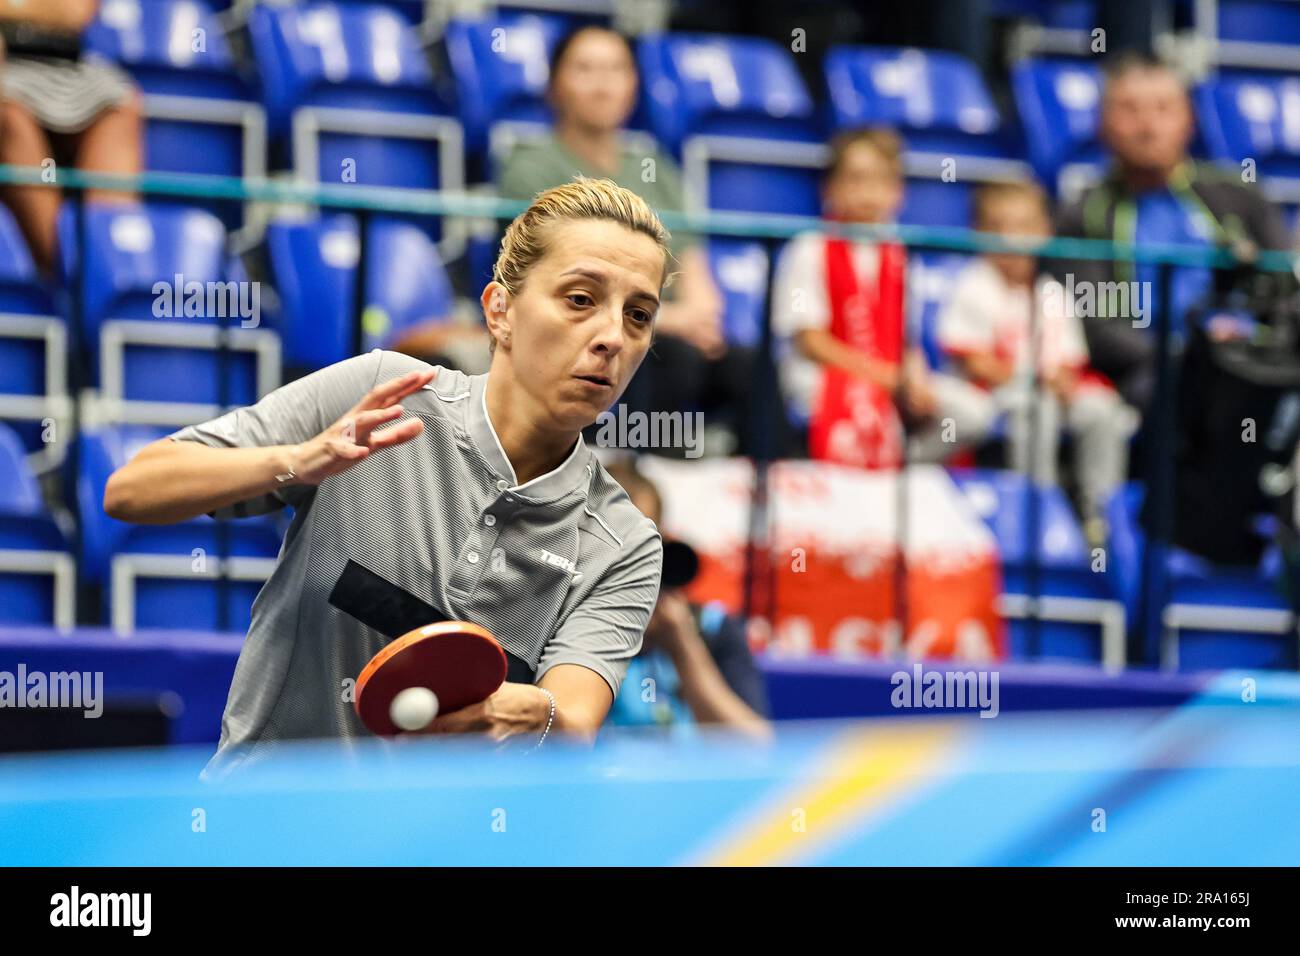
x,y
838,312
999,304
695,666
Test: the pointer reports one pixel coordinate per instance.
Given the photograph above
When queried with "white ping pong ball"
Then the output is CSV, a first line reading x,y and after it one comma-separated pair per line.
x,y
414,708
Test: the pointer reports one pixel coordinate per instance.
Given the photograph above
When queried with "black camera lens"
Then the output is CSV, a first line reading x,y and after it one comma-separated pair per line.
x,y
681,564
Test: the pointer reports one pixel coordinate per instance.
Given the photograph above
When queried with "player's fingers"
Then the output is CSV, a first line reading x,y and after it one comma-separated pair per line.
x,y
395,390
392,435
347,450
463,721
364,422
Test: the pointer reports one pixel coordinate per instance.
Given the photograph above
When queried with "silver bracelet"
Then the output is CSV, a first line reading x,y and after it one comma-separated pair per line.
x,y
549,720
291,474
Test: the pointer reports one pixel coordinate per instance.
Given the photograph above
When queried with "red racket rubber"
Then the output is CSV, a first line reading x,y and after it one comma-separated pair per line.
x,y
459,661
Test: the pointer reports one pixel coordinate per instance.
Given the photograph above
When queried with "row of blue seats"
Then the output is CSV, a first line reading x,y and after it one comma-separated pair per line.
x,y
171,328
150,297
166,325
1262,22
208,570
351,87
213,569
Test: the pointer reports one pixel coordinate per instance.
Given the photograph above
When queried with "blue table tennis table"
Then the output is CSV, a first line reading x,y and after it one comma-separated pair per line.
x,y
1214,781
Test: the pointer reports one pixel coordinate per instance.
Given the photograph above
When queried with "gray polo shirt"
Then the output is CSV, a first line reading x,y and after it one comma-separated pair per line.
x,y
563,569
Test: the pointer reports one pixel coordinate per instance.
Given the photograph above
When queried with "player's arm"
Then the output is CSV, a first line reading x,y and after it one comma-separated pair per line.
x,y
582,699
170,481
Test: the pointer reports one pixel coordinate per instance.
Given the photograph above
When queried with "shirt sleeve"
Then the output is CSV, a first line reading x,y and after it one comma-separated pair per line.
x,y
291,414
604,632
963,326
799,288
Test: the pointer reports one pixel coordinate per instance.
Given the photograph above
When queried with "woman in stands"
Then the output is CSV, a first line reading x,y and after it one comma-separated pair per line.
x,y
60,109
477,494
592,93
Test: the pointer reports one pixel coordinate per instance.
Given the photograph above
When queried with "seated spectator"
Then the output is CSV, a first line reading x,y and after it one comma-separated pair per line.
x,y
695,666
839,304
592,91
61,108
1154,193
999,303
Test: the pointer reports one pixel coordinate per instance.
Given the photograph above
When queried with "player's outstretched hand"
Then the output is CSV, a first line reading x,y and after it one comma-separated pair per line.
x,y
358,434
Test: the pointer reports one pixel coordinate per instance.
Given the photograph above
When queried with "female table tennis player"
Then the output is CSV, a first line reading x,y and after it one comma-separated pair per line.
x,y
475,494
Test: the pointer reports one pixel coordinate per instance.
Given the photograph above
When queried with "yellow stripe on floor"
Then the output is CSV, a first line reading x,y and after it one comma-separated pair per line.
x,y
862,773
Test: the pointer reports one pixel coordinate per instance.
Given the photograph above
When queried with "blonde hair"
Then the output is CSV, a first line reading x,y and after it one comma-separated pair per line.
x,y
525,241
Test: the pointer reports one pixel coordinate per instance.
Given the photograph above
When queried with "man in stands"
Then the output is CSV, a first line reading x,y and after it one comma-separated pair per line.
x,y
1154,193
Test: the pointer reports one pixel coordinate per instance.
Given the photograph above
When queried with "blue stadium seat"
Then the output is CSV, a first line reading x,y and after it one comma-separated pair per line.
x,y
314,263
739,115
201,574
954,136
1061,14
1255,116
1059,102
33,349
350,88
200,117
937,100
37,571
174,341
22,290
1080,615
1259,21
1257,34
412,11
501,65
1214,616
739,268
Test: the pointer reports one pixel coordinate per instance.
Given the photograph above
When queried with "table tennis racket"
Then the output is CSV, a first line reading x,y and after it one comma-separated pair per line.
x,y
460,662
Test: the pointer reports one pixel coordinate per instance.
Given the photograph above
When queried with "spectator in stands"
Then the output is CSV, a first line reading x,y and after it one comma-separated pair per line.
x,y
838,310
592,92
61,109
999,303
1154,193
695,665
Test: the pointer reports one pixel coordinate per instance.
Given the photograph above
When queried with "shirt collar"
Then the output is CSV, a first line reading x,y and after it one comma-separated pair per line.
x,y
573,473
